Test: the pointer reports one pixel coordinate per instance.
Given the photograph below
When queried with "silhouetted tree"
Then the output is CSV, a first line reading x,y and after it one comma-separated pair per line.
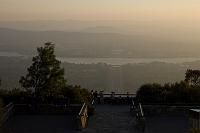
x,y
179,92
193,77
45,76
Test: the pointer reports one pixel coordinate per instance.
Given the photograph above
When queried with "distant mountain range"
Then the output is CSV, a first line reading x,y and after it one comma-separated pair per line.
x,y
95,42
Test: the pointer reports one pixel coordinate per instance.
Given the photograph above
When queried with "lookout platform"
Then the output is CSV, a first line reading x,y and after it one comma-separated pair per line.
x,y
107,119
117,119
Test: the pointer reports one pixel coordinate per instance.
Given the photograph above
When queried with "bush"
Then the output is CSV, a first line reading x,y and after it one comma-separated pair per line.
x,y
194,131
180,92
76,94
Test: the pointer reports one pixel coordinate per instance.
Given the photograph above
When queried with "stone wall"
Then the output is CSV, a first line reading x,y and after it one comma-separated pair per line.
x,y
157,110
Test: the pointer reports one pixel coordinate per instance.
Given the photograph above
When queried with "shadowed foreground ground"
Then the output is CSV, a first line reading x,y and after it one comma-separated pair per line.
x,y
40,124
108,119
117,119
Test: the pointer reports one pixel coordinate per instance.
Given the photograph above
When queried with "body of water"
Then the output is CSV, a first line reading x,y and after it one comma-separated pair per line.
x,y
110,61
11,54
123,61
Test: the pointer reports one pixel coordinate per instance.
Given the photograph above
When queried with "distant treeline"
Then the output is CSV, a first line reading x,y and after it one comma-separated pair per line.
x,y
72,94
101,76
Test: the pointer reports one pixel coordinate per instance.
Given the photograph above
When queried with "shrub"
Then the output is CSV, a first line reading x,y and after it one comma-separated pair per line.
x,y
180,92
76,94
194,131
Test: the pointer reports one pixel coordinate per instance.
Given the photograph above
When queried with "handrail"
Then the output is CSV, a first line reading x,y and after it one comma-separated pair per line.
x,y
8,108
132,106
118,94
82,109
93,102
83,117
138,108
7,112
133,103
141,110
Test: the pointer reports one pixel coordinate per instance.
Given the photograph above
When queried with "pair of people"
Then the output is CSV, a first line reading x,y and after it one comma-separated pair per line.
x,y
95,96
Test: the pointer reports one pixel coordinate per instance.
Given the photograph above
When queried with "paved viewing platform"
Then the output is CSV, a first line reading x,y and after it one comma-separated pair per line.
x,y
107,119
111,119
117,119
39,124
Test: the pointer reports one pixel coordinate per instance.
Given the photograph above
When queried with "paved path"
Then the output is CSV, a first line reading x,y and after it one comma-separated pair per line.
x,y
111,119
108,119
117,119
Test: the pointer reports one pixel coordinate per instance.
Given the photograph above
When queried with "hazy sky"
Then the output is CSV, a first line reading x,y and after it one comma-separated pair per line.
x,y
99,9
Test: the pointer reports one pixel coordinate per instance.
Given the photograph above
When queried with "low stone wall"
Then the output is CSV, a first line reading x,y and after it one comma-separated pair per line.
x,y
8,111
157,110
47,109
44,109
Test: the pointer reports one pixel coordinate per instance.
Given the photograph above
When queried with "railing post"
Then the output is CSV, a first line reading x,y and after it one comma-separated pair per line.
x,y
137,111
8,111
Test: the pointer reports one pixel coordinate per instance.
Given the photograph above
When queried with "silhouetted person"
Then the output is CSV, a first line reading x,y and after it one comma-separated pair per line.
x,y
92,95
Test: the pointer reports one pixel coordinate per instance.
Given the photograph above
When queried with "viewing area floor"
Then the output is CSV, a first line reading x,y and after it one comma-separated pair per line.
x,y
107,119
117,119
39,124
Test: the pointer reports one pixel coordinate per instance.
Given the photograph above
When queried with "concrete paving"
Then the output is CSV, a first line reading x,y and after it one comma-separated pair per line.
x,y
108,119
40,124
111,119
117,119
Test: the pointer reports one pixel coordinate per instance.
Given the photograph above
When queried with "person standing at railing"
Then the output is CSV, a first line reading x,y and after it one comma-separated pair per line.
x,y
92,95
92,92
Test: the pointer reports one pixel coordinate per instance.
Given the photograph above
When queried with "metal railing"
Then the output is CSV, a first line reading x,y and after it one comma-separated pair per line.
x,y
141,110
137,111
82,110
82,118
118,95
8,111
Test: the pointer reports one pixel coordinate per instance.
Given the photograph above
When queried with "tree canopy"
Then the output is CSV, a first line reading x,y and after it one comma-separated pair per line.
x,y
193,77
187,91
45,76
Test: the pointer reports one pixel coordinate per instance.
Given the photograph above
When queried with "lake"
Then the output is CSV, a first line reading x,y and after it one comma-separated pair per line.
x,y
123,61
10,54
111,61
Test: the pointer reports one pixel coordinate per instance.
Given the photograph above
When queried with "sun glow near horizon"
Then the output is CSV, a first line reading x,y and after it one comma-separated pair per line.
x,y
99,10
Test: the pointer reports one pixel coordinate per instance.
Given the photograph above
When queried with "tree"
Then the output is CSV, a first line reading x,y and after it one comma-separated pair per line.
x,y
193,77
45,76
